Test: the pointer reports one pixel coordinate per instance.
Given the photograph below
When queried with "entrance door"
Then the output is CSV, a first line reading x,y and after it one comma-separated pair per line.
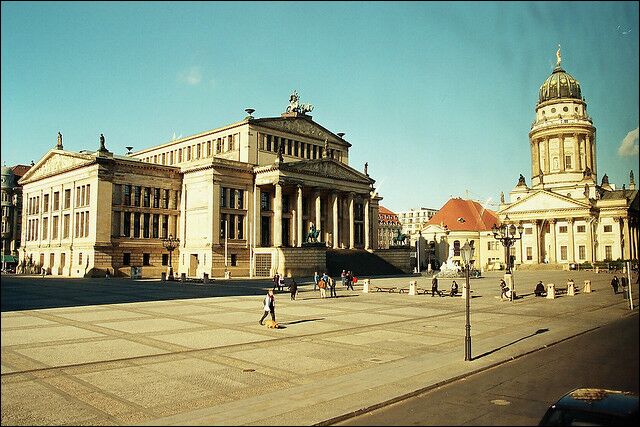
x,y
63,261
193,265
52,259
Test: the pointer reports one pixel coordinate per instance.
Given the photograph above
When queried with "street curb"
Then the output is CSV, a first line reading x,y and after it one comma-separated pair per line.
x,y
414,393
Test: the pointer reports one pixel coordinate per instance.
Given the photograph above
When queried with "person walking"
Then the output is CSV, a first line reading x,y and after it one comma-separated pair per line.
x,y
343,277
293,288
350,280
332,288
316,278
454,289
269,306
503,289
434,287
276,281
614,284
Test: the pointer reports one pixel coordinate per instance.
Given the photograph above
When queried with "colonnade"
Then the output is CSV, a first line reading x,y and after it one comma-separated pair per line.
x,y
583,146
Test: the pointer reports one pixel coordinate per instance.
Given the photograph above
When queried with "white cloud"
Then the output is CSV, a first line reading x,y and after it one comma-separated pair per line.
x,y
629,146
192,76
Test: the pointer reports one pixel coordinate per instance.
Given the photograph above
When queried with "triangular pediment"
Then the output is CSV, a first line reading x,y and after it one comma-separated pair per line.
x,y
326,168
54,162
543,201
300,126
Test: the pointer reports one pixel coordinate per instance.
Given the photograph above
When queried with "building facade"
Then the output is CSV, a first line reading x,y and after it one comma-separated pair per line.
x,y
414,219
11,198
567,216
388,227
251,198
458,221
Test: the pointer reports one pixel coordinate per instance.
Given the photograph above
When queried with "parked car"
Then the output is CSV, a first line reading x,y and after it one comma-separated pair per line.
x,y
593,407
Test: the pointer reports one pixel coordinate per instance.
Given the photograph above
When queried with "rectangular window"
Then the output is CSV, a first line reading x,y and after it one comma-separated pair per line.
x,y
223,221
170,157
268,142
77,223
45,228
136,224
198,151
582,253
136,195
67,198
240,227
232,226
563,253
529,253
126,232
156,226
165,199
528,230
165,259
165,226
223,197
45,203
126,258
164,158
54,228
567,162
581,229
608,253
232,198
219,145
188,153
56,201
240,194
234,260
156,197
208,148
146,258
264,201
65,226
127,194
83,195
180,155
562,229
80,258
607,229
147,197
115,224
145,225
77,196
86,224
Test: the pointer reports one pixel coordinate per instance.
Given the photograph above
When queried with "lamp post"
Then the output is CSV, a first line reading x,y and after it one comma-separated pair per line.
x,y
170,243
467,255
506,234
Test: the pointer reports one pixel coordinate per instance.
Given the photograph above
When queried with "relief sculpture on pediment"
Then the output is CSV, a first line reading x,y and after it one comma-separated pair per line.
x,y
56,164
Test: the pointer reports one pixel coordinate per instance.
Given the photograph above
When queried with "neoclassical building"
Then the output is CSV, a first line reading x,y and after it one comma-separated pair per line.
x,y
388,227
567,216
241,198
11,213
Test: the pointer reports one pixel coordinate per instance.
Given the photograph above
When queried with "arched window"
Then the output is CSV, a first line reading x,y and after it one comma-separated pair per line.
x,y
456,248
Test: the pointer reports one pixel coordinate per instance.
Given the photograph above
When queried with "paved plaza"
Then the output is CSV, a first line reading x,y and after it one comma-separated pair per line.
x,y
120,352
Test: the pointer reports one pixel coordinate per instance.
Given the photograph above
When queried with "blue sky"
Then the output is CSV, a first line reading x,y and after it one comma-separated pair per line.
x,y
438,98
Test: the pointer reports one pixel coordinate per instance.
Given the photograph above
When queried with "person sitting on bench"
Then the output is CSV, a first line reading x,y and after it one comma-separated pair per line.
x,y
539,291
454,288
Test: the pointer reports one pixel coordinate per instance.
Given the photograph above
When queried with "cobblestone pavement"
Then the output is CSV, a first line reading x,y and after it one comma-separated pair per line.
x,y
206,360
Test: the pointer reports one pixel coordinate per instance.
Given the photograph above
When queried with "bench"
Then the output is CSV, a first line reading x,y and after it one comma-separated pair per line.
x,y
386,289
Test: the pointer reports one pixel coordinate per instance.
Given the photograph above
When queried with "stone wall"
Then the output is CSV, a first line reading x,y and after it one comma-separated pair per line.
x,y
295,262
399,257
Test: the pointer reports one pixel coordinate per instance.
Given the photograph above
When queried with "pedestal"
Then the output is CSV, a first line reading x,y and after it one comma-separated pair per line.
x,y
365,285
571,288
412,287
587,286
551,291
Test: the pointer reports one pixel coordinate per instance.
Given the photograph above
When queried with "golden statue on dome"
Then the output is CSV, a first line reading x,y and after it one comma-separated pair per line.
x,y
558,56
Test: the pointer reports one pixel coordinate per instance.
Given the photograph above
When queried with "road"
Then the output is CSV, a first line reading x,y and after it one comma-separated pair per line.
x,y
520,391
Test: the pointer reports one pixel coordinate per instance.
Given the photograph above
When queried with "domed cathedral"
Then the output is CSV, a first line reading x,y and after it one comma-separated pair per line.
x,y
567,217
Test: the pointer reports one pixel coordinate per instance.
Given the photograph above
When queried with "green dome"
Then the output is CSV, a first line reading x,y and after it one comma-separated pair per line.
x,y
559,84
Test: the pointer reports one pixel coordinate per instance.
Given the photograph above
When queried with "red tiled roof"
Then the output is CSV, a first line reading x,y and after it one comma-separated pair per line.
x,y
20,170
384,211
385,216
465,215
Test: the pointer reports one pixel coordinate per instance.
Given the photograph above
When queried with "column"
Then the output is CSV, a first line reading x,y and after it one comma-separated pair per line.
x,y
534,158
299,228
536,237
546,156
552,256
277,215
335,220
626,248
257,216
318,215
589,240
587,153
216,217
592,156
579,149
572,244
367,242
351,223
561,151
122,214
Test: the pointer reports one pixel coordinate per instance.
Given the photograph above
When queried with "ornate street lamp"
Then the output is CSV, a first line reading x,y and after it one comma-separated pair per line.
x,y
508,235
170,243
467,254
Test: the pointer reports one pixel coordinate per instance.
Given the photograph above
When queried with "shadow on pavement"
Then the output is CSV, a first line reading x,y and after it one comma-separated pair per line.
x,y
539,331
29,293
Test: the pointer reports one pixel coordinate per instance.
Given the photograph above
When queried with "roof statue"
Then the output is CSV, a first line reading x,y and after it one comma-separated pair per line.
x,y
366,168
521,180
296,107
502,196
586,173
102,147
59,145
558,56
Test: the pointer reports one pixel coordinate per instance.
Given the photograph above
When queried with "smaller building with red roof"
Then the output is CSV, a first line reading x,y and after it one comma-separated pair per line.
x,y
388,227
456,222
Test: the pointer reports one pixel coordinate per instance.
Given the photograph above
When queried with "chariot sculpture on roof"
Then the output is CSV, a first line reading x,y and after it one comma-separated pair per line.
x,y
296,107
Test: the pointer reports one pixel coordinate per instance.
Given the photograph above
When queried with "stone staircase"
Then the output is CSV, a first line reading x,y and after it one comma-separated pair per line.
x,y
360,262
